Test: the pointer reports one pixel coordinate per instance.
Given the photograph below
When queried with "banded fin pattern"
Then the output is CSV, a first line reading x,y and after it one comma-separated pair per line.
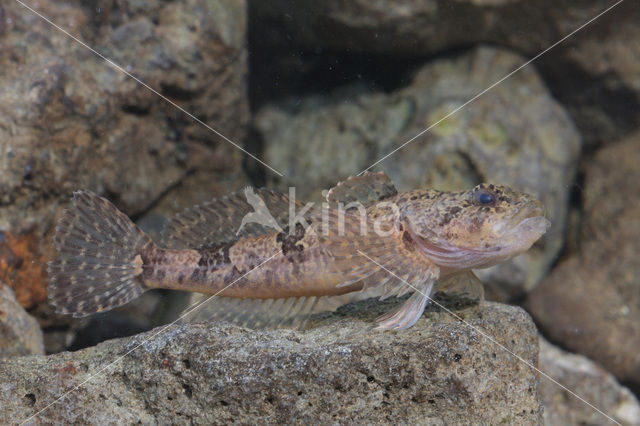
x,y
100,252
366,189
218,221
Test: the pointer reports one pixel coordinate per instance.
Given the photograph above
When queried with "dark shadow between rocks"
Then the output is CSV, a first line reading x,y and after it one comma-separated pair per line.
x,y
602,113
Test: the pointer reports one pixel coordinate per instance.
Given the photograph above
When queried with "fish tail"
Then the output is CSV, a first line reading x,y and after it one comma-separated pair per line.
x,y
100,258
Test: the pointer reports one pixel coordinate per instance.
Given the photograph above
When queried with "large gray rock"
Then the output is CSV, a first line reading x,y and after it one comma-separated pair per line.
x,y
20,333
595,72
514,135
591,301
590,382
68,120
438,372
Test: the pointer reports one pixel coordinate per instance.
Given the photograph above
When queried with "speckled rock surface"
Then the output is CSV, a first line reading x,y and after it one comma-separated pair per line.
x,y
20,333
68,120
591,301
590,382
594,72
514,135
438,372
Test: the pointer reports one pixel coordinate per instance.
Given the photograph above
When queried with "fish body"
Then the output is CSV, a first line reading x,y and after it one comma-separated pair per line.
x,y
366,237
285,266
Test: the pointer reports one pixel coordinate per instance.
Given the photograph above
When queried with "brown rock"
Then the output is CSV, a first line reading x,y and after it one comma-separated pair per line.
x,y
595,74
438,372
68,120
22,269
591,301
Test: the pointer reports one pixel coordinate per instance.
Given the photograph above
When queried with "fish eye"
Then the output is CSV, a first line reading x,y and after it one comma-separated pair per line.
x,y
485,198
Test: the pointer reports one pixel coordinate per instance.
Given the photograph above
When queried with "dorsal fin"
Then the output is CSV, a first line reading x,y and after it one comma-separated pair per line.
x,y
365,189
221,220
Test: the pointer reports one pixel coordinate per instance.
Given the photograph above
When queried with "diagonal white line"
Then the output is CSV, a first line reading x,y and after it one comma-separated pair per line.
x,y
187,312
196,306
492,340
127,73
494,85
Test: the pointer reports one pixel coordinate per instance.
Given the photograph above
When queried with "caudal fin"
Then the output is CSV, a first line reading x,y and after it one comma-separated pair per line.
x,y
100,251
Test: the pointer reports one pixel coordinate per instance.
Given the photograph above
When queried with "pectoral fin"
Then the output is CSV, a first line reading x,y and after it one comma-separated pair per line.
x,y
409,312
360,255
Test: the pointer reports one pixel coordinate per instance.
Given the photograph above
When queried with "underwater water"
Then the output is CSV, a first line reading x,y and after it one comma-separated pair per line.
x,y
159,106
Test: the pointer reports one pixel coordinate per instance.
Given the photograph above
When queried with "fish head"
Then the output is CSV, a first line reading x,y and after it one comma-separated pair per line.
x,y
477,228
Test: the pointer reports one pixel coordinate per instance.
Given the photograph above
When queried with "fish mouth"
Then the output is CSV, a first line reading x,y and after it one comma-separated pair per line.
x,y
532,212
525,226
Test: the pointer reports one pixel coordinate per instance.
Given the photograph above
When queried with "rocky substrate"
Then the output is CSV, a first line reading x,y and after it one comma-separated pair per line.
x,y
439,372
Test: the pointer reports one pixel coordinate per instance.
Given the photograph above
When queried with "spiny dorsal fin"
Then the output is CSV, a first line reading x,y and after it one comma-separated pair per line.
x,y
365,189
290,313
221,220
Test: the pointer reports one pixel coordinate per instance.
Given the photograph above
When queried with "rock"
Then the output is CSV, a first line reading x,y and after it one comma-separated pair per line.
x,y
438,372
411,27
20,333
514,135
590,382
22,266
594,72
69,121
591,300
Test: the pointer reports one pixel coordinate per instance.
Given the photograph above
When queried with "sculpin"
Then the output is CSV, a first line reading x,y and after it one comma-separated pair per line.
x,y
365,238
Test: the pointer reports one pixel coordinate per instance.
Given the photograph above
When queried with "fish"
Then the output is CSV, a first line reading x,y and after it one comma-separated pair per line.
x,y
271,271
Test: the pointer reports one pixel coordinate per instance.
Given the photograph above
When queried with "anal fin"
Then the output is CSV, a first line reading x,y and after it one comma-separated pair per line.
x,y
291,313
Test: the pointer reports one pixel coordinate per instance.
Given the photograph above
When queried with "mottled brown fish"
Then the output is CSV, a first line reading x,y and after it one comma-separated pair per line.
x,y
426,240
